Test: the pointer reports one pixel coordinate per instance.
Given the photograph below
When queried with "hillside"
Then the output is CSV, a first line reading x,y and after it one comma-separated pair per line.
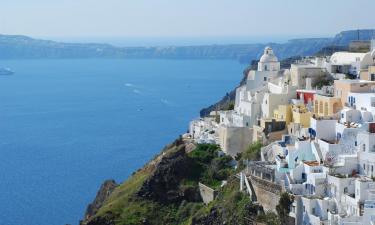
x,y
165,191
23,47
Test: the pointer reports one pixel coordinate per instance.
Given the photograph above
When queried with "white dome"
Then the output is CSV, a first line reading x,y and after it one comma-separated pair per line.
x,y
268,56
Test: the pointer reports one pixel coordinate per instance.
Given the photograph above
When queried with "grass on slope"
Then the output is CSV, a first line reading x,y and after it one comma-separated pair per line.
x,y
127,208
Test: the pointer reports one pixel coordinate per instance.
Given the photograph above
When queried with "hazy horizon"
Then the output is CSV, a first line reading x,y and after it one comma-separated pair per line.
x,y
179,41
163,18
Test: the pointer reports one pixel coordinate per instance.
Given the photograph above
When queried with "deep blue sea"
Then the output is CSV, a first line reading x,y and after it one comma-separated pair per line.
x,y
67,125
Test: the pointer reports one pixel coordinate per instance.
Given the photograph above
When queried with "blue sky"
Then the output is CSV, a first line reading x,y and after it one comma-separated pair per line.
x,y
188,18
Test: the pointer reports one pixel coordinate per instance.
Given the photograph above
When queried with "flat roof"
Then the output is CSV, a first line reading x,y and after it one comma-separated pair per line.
x,y
312,163
307,91
354,81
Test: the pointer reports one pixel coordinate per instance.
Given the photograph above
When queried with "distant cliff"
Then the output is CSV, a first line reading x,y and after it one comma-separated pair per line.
x,y
23,47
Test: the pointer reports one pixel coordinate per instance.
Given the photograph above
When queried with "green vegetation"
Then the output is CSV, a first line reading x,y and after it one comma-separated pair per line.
x,y
129,204
252,152
126,207
230,207
323,81
269,218
283,208
230,106
208,167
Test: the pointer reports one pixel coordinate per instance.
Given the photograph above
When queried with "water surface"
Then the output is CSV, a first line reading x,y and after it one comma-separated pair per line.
x,y
67,125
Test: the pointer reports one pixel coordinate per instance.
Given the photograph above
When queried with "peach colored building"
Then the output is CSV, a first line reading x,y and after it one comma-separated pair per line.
x,y
368,74
343,87
326,105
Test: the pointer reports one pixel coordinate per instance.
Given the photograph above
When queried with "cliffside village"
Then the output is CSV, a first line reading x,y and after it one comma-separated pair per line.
x,y
319,139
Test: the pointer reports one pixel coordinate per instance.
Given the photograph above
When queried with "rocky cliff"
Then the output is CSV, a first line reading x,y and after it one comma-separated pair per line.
x,y
104,192
165,191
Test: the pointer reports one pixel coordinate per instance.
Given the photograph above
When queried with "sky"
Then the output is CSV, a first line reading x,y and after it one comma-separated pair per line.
x,y
183,18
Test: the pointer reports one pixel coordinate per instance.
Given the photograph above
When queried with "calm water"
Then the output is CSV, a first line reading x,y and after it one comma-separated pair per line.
x,y
67,125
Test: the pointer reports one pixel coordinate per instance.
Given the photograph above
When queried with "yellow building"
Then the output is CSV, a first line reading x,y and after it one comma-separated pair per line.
x,y
283,113
301,115
326,105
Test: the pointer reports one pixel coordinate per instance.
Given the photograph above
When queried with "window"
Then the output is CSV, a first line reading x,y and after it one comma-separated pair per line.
x,y
372,168
265,78
364,166
364,147
342,115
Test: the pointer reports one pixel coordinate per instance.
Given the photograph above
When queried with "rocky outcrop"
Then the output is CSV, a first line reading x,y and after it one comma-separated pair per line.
x,y
213,218
164,184
104,192
102,220
221,215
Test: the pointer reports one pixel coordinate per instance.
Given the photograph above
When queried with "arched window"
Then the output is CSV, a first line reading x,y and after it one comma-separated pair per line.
x,y
326,109
321,107
265,67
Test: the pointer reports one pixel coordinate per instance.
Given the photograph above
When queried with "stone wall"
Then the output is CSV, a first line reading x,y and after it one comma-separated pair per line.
x,y
267,193
235,139
208,194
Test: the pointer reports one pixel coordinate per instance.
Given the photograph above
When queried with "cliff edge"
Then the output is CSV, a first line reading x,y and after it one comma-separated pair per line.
x,y
166,191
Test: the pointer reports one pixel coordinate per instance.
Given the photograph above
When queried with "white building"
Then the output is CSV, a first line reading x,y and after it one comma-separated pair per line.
x,y
235,133
323,128
268,61
363,101
314,69
349,62
366,150
204,130
280,92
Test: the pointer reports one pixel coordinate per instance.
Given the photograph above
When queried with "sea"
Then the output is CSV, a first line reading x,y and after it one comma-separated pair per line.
x,y
66,125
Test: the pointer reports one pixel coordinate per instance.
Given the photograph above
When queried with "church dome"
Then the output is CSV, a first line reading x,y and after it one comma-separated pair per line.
x,y
268,56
